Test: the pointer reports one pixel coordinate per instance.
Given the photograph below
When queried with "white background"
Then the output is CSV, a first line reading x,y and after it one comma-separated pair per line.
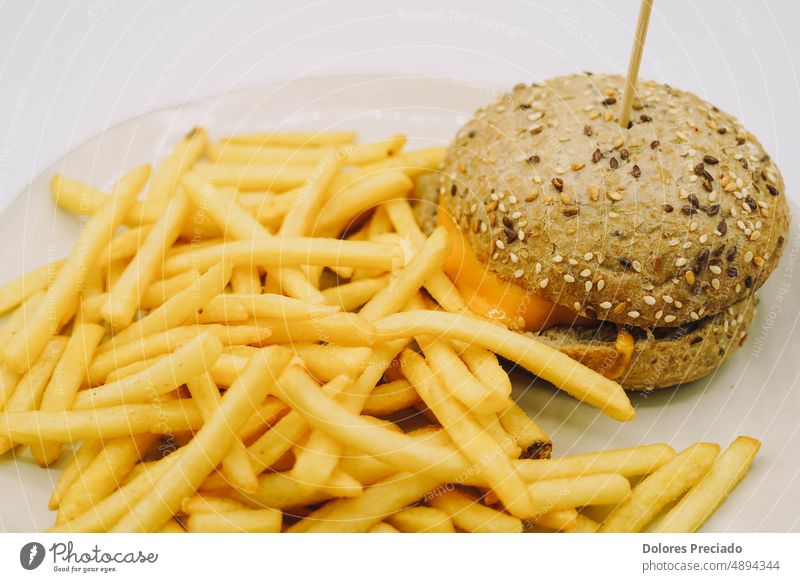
x,y
70,69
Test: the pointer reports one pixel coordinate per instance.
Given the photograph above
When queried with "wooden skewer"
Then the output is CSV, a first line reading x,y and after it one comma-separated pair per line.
x,y
635,61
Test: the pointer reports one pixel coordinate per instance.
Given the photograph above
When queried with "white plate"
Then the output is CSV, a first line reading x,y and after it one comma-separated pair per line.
x,y
754,394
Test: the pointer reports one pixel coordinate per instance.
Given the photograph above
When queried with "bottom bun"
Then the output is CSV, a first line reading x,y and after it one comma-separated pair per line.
x,y
661,357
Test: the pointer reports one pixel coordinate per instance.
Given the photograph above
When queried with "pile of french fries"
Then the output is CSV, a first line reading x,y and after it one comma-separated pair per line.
x,y
266,341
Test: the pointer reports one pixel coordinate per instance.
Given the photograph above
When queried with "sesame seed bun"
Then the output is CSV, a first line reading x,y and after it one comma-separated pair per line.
x,y
664,223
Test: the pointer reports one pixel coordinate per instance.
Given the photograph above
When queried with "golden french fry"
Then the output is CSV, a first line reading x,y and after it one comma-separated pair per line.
x,y
421,519
171,416
65,381
177,310
391,397
210,504
666,484
584,524
485,366
172,527
236,462
107,512
81,459
236,521
282,491
288,253
31,387
163,376
631,462
557,520
276,177
459,381
62,296
470,515
327,361
124,245
126,294
295,139
467,433
359,514
159,291
598,489
544,361
84,200
159,344
347,329
703,499
209,445
533,441
306,205
351,296
246,281
272,305
383,527
104,474
166,179
349,202
15,292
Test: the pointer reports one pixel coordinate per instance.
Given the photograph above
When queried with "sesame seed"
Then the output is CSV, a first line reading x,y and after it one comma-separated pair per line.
x,y
615,196
543,283
680,262
689,276
514,258
537,268
714,269
669,318
756,235
659,313
585,273
605,305
667,298
649,300
588,256
679,304
601,284
558,259
499,244
569,278
703,238
588,286
577,306
521,235
637,266
633,314
693,315
518,273
715,284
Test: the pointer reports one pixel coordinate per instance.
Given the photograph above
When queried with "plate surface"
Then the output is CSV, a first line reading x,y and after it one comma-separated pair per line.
x,y
757,393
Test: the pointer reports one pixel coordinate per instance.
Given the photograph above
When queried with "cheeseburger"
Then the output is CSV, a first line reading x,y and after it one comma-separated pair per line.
x,y
635,250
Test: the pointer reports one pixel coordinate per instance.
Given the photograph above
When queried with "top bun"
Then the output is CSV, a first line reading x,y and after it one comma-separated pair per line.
x,y
671,220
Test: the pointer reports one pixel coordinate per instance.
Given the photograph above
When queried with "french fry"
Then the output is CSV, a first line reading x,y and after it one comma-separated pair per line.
x,y
246,281
176,310
163,376
159,291
326,361
277,177
666,484
485,366
295,139
28,393
347,329
349,202
209,445
544,361
210,504
383,527
110,510
183,156
470,515
289,431
361,513
703,499
459,381
81,459
125,296
467,433
557,520
288,253
391,397
172,527
240,153
631,462
224,309
65,381
104,474
124,245
584,524
351,296
282,491
272,305
14,293
533,441
237,521
236,462
171,416
84,200
421,519
305,206
566,493
166,342
409,279
62,296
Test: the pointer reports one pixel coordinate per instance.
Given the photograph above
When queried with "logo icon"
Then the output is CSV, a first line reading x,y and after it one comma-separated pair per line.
x,y
31,555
